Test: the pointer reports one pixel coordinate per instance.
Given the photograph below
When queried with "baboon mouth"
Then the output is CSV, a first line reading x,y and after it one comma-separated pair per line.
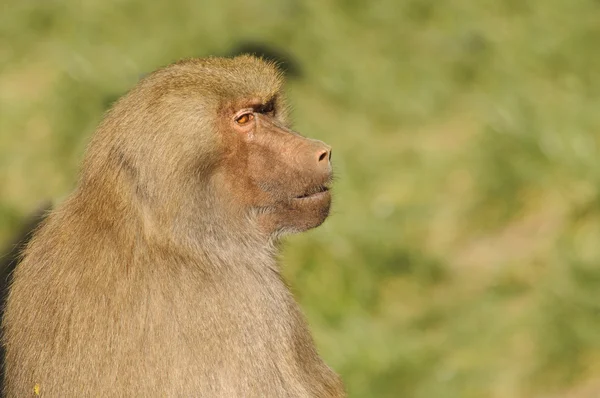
x,y
314,193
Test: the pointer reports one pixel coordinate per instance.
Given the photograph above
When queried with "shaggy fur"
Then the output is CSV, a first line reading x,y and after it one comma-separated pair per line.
x,y
158,275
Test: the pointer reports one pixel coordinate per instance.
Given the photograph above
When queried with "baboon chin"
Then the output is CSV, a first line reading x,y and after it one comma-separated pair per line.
x,y
158,275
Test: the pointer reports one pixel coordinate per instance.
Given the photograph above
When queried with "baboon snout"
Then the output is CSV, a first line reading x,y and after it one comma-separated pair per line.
x,y
322,157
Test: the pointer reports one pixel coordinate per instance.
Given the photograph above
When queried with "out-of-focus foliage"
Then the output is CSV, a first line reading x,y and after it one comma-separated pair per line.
x,y
463,255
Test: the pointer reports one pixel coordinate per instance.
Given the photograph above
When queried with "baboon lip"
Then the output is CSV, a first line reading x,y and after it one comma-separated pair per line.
x,y
316,192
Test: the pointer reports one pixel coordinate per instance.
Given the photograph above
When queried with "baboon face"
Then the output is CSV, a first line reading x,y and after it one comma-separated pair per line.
x,y
280,176
209,136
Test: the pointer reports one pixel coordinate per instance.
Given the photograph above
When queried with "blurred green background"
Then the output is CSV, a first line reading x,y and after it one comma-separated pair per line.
x,y
462,258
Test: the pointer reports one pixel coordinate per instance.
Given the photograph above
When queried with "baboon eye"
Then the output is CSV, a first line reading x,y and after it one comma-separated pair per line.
x,y
245,118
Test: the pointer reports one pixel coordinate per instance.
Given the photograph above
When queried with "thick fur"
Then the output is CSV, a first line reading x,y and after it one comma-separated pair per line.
x,y
158,277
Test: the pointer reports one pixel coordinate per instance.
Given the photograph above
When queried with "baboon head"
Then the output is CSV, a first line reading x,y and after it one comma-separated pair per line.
x,y
207,141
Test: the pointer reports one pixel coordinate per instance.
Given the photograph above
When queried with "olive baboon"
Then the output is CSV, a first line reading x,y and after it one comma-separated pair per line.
x,y
158,275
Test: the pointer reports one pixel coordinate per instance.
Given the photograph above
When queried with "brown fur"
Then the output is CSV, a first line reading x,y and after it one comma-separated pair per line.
x,y
158,277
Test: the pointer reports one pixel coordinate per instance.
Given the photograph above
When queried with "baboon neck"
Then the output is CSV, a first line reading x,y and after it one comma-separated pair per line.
x,y
199,230
223,242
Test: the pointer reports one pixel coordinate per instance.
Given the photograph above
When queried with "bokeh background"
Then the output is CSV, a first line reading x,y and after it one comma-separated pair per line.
x,y
462,258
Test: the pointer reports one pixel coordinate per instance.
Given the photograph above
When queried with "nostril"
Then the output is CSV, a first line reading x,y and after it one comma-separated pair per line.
x,y
323,155
329,155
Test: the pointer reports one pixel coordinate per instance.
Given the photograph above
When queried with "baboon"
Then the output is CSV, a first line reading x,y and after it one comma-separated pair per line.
x,y
12,251
158,275
11,256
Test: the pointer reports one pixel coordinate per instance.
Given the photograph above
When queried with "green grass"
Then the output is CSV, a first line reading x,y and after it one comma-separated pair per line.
x,y
462,257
